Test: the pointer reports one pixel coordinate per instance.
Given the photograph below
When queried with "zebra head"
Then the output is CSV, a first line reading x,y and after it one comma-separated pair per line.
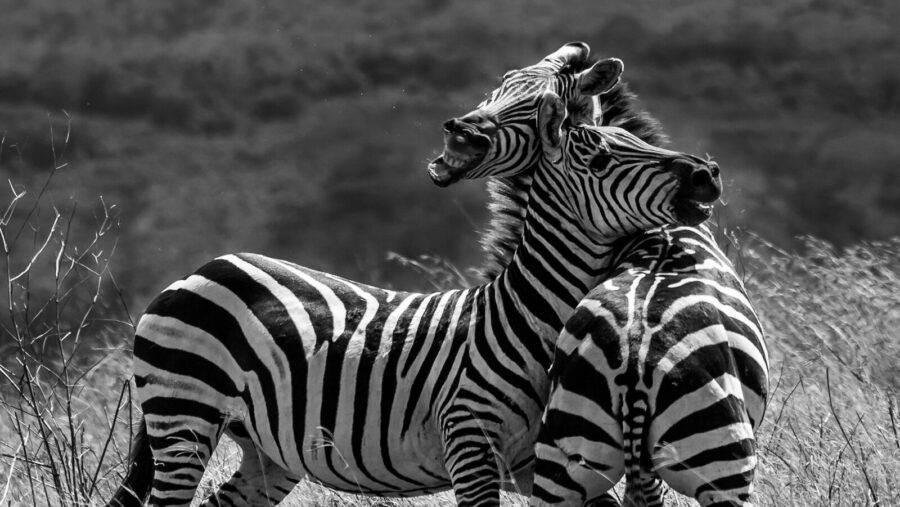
x,y
499,138
616,184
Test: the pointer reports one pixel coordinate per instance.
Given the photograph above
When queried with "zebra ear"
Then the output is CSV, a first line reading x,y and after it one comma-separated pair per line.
x,y
551,113
601,77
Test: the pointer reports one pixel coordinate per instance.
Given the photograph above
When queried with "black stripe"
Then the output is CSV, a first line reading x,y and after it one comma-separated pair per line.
x,y
389,385
691,373
164,406
723,412
367,359
522,334
420,333
738,450
184,363
459,337
535,304
425,367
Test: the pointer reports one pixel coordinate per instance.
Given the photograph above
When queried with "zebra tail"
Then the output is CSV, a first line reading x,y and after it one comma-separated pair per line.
x,y
633,429
136,486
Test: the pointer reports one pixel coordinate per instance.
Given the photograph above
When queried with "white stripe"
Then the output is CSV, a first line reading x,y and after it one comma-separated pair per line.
x,y
335,306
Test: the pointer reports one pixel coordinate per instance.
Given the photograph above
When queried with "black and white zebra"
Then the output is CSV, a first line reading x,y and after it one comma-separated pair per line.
x,y
660,375
500,137
383,392
747,362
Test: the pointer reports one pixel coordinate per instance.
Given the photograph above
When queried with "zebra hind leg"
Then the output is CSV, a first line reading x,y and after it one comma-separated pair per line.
x,y
181,448
717,471
651,492
258,480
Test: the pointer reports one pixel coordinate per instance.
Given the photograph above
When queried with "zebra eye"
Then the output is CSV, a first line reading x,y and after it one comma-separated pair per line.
x,y
601,160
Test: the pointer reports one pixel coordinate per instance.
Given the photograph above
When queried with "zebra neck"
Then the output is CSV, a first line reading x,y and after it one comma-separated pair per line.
x,y
553,268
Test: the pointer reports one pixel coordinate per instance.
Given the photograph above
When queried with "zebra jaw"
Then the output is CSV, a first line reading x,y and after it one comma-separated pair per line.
x,y
452,165
691,212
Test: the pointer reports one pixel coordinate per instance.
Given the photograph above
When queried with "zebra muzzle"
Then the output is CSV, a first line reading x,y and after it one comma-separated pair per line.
x,y
465,145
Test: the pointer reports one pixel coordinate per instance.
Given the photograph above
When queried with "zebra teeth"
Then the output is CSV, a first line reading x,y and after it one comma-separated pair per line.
x,y
438,171
453,165
456,161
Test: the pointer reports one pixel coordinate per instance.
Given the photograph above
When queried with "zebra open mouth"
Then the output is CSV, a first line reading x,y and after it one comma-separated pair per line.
x,y
700,186
465,146
451,165
693,212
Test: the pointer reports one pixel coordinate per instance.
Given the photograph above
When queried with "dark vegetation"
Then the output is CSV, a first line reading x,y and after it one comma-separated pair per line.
x,y
302,130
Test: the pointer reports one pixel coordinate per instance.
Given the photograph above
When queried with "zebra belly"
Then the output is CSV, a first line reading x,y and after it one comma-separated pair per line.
x,y
337,436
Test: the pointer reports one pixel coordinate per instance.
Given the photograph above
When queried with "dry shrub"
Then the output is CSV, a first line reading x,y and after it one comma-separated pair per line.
x,y
61,387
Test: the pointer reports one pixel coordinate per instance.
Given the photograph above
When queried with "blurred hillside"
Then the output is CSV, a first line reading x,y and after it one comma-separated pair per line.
x,y
302,129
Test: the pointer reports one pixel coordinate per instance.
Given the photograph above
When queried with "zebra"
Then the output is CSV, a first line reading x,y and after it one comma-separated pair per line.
x,y
500,138
661,374
692,258
376,391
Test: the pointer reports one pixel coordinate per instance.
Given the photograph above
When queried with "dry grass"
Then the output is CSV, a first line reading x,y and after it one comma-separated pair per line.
x,y
831,431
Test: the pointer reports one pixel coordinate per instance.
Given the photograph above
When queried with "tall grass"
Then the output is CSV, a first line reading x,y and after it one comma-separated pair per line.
x,y
830,436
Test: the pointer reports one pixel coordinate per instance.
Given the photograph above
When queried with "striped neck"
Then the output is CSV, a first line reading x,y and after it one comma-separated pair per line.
x,y
554,266
508,196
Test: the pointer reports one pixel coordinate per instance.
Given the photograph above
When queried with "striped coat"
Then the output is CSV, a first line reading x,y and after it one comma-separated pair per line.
x,y
374,391
660,375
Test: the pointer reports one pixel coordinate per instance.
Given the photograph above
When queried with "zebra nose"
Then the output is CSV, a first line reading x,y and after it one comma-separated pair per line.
x,y
701,176
705,182
700,180
451,125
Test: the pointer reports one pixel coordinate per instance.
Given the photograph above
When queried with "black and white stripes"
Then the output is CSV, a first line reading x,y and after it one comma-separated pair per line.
x,y
660,375
391,393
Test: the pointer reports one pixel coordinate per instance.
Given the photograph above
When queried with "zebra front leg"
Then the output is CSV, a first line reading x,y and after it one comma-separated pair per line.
x,y
258,481
471,461
474,474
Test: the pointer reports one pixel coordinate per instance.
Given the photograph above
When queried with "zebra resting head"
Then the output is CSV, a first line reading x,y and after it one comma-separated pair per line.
x,y
616,184
493,139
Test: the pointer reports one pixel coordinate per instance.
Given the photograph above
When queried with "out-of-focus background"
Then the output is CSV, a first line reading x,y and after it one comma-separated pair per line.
x,y
302,129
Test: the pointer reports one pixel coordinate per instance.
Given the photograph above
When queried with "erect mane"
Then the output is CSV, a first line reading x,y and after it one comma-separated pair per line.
x,y
508,197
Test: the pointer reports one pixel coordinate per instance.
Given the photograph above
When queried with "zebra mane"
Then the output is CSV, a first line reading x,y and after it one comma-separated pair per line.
x,y
508,197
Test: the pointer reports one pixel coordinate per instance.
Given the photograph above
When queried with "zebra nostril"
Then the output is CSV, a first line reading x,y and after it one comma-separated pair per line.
x,y
702,176
714,169
449,125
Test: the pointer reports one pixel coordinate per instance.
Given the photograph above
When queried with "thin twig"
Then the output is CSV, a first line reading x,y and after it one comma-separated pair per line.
x,y
893,422
109,437
847,439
